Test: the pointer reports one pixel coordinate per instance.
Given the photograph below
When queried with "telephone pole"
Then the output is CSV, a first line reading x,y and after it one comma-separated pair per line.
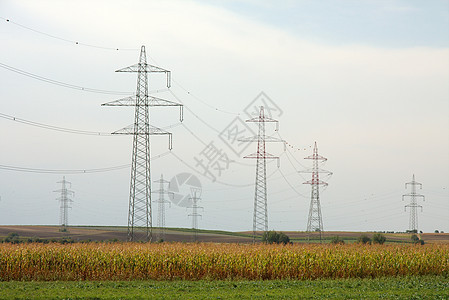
x,y
315,220
139,212
260,216
413,205
161,206
195,192
64,201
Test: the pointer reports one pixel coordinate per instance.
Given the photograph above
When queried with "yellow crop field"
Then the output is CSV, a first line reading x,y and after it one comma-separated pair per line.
x,y
167,261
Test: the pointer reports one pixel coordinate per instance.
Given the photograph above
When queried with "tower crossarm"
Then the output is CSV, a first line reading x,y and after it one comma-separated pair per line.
x,y
413,195
152,101
262,155
318,170
316,182
143,67
131,101
147,68
152,130
267,139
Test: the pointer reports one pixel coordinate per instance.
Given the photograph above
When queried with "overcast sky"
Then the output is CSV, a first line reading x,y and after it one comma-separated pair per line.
x,y
367,80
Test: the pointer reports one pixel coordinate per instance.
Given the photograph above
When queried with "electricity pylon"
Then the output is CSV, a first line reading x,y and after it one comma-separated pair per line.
x,y
413,205
64,201
195,193
139,212
161,206
260,217
315,220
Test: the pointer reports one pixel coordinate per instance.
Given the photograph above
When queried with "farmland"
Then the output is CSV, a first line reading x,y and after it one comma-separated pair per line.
x,y
207,261
226,264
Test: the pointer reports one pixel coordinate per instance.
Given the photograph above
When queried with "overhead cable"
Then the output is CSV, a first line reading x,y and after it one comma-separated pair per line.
x,y
73,171
63,84
75,42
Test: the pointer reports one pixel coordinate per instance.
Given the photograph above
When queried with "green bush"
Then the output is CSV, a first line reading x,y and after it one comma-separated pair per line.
x,y
273,237
337,240
416,240
364,239
379,238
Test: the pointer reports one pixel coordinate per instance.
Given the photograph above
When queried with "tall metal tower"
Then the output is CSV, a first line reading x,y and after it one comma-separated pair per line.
x,y
161,206
139,213
260,217
196,193
64,201
413,205
315,220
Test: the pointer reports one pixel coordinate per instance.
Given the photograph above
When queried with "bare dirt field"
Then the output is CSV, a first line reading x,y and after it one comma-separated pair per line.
x,y
114,233
97,233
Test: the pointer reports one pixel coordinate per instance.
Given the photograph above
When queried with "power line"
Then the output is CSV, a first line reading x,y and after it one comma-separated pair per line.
x,y
72,171
68,40
205,144
195,115
62,171
51,127
60,83
205,103
197,98
196,171
63,129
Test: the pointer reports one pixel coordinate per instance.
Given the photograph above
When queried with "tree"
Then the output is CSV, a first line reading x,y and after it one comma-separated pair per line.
x,y
379,238
364,239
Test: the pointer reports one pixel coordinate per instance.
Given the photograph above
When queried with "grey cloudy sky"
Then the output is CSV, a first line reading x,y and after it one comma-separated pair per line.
x,y
367,80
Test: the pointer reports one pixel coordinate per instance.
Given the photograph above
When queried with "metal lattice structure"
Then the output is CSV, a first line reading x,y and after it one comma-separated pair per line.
x,y
413,205
196,193
64,201
139,213
161,206
315,219
260,217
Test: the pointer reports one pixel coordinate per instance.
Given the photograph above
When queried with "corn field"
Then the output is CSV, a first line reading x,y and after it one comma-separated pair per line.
x,y
170,261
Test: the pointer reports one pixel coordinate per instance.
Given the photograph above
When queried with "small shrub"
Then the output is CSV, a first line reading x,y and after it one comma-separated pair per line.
x,y
273,237
379,238
416,240
364,239
12,237
337,240
283,238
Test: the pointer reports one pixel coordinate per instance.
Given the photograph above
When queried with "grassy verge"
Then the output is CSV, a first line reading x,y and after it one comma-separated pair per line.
x,y
424,287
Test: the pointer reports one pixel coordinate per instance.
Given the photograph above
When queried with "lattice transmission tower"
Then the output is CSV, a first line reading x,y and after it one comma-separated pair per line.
x,y
64,201
315,219
139,212
413,205
260,216
161,206
196,194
